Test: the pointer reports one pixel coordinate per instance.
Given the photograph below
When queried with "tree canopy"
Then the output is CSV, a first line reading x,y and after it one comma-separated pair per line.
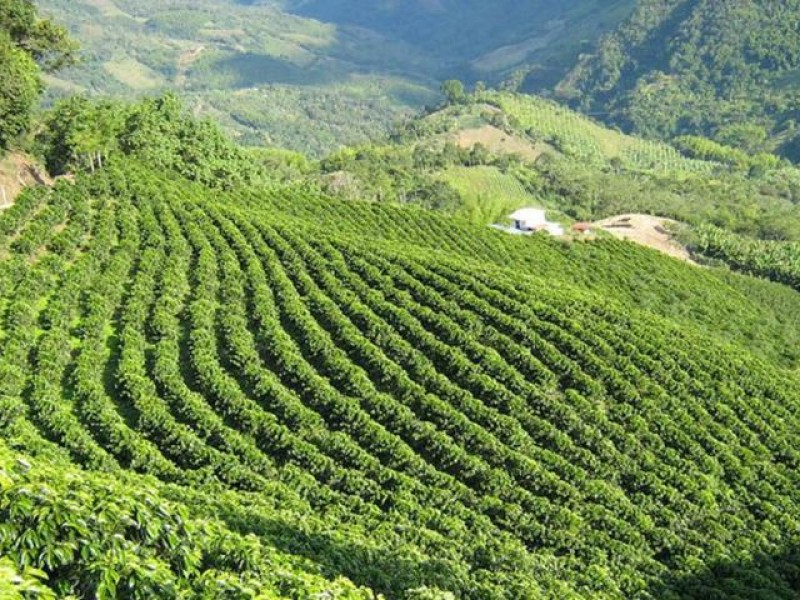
x,y
679,67
28,45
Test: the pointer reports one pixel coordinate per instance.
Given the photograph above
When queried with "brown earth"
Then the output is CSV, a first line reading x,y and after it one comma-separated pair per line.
x,y
18,171
499,142
653,232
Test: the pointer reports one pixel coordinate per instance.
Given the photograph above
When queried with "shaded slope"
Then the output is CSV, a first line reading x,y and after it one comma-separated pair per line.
x,y
274,75
479,40
269,77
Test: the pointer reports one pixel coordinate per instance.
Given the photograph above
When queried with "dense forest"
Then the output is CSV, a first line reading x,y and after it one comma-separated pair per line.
x,y
722,69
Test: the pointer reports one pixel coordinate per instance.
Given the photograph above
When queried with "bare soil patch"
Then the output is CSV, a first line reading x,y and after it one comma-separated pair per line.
x,y
499,142
653,232
18,171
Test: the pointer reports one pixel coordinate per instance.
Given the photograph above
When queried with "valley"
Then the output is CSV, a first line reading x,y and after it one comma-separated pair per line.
x,y
292,74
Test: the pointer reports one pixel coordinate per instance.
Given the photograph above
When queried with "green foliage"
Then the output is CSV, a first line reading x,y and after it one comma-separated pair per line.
x,y
775,260
677,68
315,120
75,534
162,134
274,77
16,586
282,165
473,39
19,92
386,174
540,153
269,77
26,43
80,133
454,91
748,137
488,194
44,41
217,385
274,393
587,141
705,149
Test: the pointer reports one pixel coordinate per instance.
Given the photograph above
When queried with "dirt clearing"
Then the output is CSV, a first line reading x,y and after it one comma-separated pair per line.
x,y
18,171
653,232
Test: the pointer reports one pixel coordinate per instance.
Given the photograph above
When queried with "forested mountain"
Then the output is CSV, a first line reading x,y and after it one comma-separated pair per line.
x,y
725,69
316,75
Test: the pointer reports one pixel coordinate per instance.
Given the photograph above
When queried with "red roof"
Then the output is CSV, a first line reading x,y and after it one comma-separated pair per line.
x,y
583,227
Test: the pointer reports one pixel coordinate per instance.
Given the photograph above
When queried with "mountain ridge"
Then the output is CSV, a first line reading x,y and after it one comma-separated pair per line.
x,y
267,65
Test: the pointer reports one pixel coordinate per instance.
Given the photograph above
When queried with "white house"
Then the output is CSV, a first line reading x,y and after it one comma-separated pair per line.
x,y
530,220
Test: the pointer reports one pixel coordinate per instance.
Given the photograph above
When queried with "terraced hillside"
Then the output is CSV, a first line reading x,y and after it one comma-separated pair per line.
x,y
494,152
272,394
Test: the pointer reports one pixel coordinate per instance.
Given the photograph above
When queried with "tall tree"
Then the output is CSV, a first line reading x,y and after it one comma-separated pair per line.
x,y
28,45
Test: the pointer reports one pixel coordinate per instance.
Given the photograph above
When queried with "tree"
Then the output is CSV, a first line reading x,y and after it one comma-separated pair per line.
x,y
80,133
27,44
44,41
18,93
454,92
479,155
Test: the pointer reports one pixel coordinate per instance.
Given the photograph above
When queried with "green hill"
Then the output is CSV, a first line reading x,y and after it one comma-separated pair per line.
x,y
403,400
726,69
267,76
475,39
497,151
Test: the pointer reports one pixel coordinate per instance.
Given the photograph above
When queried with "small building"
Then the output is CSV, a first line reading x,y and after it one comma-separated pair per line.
x,y
532,220
582,228
529,219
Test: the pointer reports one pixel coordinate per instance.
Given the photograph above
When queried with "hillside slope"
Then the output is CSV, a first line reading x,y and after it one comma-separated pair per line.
x,y
698,66
266,75
414,403
494,152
